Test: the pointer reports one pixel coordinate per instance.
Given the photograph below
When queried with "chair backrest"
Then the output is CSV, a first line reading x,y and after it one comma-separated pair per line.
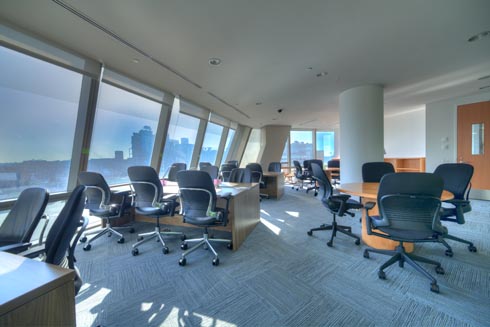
x,y
373,171
97,190
225,171
146,185
65,227
233,163
211,170
197,193
274,167
319,175
334,163
174,169
204,164
307,165
241,175
410,202
257,172
299,170
456,177
24,216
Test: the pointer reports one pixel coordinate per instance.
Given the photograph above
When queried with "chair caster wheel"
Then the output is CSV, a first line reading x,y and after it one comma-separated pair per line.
x,y
121,240
182,261
131,230
83,239
449,253
216,262
472,248
434,288
183,246
109,234
316,193
87,247
135,251
440,270
381,274
357,242
366,254
165,250
310,233
140,238
183,237
229,246
330,243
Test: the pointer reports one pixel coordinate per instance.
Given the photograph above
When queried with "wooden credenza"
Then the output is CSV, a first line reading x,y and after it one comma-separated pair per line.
x,y
34,293
407,164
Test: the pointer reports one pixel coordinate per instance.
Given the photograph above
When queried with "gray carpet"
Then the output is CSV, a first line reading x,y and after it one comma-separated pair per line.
x,y
282,277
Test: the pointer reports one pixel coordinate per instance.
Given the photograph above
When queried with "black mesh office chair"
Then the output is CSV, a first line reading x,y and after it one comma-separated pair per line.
x,y
334,163
174,169
274,167
204,164
213,171
241,175
225,171
21,221
198,197
101,204
338,205
257,177
149,200
373,171
233,163
409,205
300,175
309,172
457,180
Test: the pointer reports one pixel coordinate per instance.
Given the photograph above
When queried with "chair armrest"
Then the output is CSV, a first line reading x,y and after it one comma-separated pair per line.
x,y
458,202
171,198
341,197
33,252
15,248
369,205
41,237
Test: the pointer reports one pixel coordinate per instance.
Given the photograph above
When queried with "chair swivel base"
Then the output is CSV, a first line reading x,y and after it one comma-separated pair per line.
x,y
334,227
157,233
204,241
449,252
100,232
399,255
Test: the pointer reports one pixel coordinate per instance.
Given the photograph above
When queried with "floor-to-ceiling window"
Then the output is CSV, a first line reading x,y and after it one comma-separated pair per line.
x,y
124,132
39,104
211,142
252,149
325,143
301,145
229,139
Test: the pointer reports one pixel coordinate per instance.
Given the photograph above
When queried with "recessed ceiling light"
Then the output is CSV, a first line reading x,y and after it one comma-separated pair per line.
x,y
321,74
484,77
214,61
484,87
135,60
258,103
479,36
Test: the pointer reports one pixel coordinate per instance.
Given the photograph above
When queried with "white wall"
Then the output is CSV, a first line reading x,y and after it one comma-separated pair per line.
x,y
404,134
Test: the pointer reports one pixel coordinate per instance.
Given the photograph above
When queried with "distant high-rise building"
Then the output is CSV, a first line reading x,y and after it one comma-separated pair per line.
x,y
119,155
184,140
142,144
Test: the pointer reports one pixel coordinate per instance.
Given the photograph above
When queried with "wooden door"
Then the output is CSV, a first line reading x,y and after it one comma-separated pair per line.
x,y
474,141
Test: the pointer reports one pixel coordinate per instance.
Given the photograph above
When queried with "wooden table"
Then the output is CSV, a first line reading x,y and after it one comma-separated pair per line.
x,y
369,193
34,293
332,172
244,210
274,184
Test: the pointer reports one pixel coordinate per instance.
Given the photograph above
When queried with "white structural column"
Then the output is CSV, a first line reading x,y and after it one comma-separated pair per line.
x,y
361,130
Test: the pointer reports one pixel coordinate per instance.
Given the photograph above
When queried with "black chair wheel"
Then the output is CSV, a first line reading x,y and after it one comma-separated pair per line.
x,y
449,253
316,193
216,262
83,239
330,243
131,230
182,261
121,240
440,270
183,237
230,246
135,251
358,242
434,288
109,234
165,250
472,248
381,274
366,254
183,246
310,233
87,247
140,238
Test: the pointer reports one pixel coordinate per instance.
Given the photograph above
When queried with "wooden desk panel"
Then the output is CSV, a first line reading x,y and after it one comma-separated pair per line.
x,y
274,185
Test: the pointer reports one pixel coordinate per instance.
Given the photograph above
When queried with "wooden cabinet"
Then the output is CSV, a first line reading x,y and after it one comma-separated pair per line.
x,y
407,164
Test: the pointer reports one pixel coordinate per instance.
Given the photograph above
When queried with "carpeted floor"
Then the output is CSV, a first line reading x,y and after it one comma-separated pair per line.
x,y
282,277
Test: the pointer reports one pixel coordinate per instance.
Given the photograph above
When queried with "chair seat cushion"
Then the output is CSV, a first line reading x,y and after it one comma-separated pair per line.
x,y
151,211
202,221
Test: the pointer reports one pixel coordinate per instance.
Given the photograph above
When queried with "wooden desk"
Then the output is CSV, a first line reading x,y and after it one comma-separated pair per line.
x,y
332,172
244,210
274,184
34,293
369,193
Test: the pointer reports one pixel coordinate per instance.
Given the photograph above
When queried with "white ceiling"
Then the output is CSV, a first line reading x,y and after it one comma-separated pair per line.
x,y
417,49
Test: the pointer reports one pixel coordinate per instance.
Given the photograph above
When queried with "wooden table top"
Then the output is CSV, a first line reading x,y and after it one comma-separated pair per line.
x,y
370,190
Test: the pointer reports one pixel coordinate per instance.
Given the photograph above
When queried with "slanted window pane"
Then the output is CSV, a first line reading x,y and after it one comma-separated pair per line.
x,y
252,150
211,142
325,143
124,133
301,145
284,157
39,110
229,139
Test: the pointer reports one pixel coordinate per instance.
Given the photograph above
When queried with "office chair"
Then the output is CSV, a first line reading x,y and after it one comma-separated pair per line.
x,y
213,171
198,197
299,174
233,162
373,171
101,204
63,237
204,164
241,175
457,180
274,167
225,171
149,200
256,176
338,205
174,169
19,225
409,205
334,163
309,172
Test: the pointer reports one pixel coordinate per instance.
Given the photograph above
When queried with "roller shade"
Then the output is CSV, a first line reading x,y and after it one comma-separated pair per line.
x,y
193,110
